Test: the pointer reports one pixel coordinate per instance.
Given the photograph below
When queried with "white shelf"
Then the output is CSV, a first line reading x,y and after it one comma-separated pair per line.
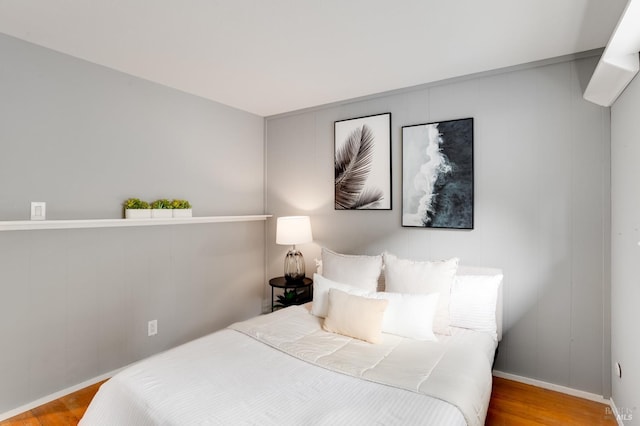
x,y
28,225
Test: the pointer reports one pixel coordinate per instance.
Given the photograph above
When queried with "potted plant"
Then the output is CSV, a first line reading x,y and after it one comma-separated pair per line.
x,y
181,208
161,209
134,208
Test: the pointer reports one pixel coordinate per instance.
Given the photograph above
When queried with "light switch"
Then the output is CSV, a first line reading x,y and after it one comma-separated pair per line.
x,y
38,210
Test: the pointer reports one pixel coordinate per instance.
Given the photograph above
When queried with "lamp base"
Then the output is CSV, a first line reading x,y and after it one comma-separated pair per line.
x,y
293,266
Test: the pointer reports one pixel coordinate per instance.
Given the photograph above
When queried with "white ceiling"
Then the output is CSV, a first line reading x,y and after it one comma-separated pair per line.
x,y
273,56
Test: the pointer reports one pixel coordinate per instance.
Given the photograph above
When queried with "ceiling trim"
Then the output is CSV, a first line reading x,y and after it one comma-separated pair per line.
x,y
535,64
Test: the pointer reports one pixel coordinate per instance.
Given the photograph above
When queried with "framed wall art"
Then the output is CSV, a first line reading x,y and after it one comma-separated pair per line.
x,y
363,163
437,175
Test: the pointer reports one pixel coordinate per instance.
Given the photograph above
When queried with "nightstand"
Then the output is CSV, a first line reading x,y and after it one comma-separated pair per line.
x,y
295,292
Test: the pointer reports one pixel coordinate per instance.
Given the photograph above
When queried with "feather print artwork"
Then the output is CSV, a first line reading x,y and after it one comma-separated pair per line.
x,y
353,164
362,163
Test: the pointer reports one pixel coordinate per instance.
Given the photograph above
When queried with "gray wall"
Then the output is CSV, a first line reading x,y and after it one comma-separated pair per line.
x,y
625,235
541,206
74,304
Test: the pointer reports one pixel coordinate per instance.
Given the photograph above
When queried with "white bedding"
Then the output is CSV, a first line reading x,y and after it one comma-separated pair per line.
x,y
229,377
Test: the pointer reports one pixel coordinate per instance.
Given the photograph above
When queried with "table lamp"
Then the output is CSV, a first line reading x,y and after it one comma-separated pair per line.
x,y
292,230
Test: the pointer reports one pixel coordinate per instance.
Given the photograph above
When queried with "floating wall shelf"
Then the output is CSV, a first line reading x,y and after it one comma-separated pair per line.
x,y
29,225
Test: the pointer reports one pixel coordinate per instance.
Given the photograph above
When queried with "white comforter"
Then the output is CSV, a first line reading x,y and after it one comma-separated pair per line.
x,y
231,378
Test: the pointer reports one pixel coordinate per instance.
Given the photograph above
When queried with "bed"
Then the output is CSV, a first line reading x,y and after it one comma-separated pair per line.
x,y
284,368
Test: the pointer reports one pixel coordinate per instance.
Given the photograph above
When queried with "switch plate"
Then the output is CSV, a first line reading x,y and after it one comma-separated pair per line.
x,y
38,210
152,328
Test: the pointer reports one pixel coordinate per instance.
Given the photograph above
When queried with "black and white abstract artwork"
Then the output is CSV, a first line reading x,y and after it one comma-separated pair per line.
x,y
363,163
437,175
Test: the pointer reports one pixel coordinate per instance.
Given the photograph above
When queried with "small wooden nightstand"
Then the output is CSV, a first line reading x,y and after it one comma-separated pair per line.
x,y
295,292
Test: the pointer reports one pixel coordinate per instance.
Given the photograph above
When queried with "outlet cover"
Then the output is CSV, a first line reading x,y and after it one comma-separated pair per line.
x,y
152,328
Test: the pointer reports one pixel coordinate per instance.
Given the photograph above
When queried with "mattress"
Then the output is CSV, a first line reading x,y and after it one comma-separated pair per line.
x,y
282,369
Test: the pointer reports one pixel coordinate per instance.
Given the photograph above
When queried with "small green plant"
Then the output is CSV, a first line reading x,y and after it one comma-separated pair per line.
x,y
135,203
162,204
180,204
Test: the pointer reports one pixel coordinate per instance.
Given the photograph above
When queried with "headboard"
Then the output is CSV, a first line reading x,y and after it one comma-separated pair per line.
x,y
477,270
462,270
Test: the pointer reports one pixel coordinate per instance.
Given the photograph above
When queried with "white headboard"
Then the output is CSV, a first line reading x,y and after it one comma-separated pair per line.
x,y
477,270
462,270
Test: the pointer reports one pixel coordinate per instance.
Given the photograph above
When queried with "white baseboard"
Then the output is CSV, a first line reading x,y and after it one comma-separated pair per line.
x,y
545,385
46,399
616,413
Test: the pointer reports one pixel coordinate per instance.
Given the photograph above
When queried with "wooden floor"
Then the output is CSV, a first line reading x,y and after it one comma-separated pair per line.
x,y
515,404
512,404
65,411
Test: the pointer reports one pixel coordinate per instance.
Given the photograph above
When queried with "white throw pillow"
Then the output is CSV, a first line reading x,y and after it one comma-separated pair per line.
x,y
321,287
410,315
420,277
356,270
355,316
473,302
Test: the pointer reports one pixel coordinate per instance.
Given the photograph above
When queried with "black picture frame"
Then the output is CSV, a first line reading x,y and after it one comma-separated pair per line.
x,y
437,175
362,163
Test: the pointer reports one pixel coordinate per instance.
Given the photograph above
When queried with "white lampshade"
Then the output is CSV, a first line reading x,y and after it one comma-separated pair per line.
x,y
292,230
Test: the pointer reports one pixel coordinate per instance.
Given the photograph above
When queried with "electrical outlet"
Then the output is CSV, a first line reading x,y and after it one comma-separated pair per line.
x,y
619,370
152,328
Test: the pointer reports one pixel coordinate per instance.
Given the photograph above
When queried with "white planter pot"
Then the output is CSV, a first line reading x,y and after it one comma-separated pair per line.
x,y
161,213
182,212
137,213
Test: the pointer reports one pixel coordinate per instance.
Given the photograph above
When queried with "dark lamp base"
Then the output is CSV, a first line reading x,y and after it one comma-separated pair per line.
x,y
294,266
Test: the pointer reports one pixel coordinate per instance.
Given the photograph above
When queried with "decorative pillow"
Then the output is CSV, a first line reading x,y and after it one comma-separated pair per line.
x,y
410,315
473,302
358,271
420,277
355,316
321,287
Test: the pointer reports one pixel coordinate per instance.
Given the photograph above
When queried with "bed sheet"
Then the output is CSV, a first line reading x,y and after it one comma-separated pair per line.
x,y
229,377
456,368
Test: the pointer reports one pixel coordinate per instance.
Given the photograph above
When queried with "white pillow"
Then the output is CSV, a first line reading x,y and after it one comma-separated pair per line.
x,y
321,287
473,302
356,270
355,316
410,315
420,277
